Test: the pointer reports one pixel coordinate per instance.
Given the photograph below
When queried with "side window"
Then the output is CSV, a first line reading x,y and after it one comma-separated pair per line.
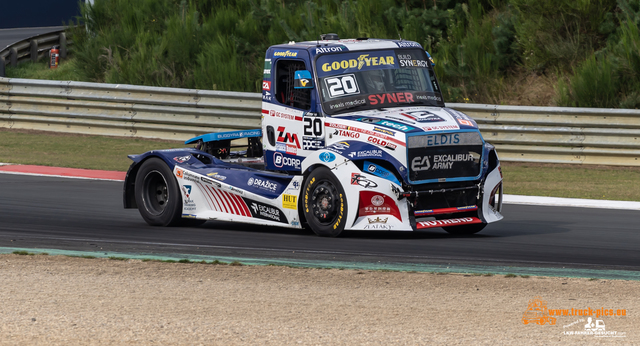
x,y
284,92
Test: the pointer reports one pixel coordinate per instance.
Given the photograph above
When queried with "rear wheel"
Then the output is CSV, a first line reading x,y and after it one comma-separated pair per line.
x,y
465,229
324,203
157,194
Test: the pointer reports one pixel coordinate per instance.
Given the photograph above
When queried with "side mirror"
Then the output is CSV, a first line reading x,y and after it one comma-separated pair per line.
x,y
430,58
302,80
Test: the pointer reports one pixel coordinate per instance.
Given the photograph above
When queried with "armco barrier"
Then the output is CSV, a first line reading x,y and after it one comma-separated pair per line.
x,y
529,134
32,48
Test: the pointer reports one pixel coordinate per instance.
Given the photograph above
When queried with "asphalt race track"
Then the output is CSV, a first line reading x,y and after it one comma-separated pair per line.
x,y
9,36
87,215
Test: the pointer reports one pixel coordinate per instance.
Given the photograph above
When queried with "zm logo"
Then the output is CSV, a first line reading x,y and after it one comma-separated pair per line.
x,y
287,137
420,164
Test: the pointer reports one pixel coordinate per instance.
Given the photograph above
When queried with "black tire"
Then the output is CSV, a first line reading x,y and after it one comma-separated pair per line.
x,y
157,194
324,203
465,229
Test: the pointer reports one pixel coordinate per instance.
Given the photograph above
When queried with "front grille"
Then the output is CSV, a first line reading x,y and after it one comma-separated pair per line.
x,y
443,156
450,195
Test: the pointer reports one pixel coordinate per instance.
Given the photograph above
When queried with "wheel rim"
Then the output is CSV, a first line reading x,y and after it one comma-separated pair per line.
x,y
324,202
155,195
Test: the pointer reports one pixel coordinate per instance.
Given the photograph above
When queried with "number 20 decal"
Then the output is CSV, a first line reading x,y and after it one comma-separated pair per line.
x,y
344,85
313,127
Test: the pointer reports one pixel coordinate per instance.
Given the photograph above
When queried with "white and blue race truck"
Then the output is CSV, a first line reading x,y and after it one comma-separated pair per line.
x,y
355,136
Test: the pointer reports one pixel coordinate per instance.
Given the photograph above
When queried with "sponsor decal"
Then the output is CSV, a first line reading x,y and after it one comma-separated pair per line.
x,y
327,157
388,139
181,159
312,143
390,98
191,177
377,226
266,85
446,161
359,179
408,44
210,182
266,96
287,137
217,176
341,145
377,223
285,53
304,81
262,184
344,85
346,104
187,203
365,153
186,189
406,60
280,161
236,190
420,163
267,69
380,172
179,173
323,50
440,127
282,115
428,97
295,222
385,131
378,219
465,122
344,133
382,143
374,203
266,212
290,202
422,116
448,222
397,126
442,139
358,63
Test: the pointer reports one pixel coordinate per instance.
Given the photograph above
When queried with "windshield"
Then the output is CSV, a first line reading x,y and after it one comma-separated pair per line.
x,y
376,79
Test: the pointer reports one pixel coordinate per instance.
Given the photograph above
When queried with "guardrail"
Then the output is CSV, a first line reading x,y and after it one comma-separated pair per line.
x,y
33,48
529,134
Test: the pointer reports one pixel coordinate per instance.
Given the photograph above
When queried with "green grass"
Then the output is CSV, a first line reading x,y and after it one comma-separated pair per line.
x,y
75,151
110,153
23,253
510,275
67,70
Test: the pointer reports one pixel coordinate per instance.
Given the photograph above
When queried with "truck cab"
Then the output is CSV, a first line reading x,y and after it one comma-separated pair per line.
x,y
377,102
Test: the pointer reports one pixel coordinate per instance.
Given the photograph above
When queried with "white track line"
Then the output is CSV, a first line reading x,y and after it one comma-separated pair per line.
x,y
571,202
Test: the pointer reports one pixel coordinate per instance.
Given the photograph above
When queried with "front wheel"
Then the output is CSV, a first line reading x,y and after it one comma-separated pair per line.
x,y
324,203
465,229
157,194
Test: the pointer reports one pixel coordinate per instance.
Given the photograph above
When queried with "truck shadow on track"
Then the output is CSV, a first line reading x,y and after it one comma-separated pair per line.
x,y
493,231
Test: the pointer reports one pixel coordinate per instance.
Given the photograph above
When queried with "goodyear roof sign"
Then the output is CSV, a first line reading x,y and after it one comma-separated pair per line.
x,y
358,61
